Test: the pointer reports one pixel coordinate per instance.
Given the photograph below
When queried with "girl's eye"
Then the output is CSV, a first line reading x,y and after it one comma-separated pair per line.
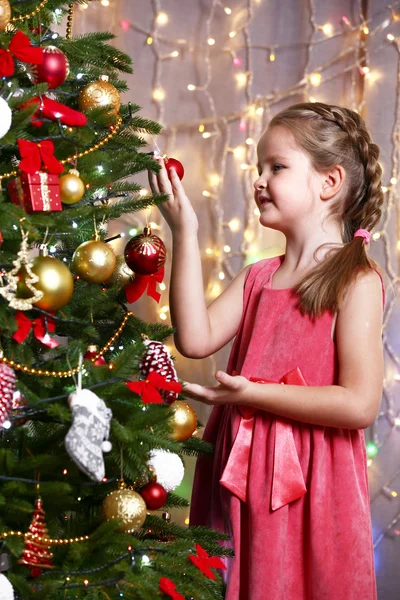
x,y
277,167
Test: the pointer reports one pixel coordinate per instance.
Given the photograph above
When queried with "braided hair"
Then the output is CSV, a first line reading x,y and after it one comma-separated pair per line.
x,y
332,135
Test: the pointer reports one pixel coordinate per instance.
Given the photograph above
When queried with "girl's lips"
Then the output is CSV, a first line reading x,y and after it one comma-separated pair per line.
x,y
263,200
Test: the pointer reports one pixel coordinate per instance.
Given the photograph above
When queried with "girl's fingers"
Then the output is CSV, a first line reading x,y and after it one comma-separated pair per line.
x,y
153,182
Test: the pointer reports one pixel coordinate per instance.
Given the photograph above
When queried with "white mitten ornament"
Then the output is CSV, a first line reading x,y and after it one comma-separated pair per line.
x,y
87,438
157,358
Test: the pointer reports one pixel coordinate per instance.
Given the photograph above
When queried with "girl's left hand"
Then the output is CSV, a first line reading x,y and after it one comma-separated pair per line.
x,y
230,390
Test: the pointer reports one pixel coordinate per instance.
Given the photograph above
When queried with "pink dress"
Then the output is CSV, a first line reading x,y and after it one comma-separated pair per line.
x,y
300,525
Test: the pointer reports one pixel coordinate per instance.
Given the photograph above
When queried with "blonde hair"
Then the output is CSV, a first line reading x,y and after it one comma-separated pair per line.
x,y
332,135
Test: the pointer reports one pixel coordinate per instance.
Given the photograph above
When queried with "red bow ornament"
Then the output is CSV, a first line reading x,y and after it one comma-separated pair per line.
x,y
168,587
35,155
40,331
204,561
20,47
287,480
147,388
138,286
53,110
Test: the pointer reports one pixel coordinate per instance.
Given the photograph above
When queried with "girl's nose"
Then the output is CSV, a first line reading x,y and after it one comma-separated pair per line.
x,y
260,184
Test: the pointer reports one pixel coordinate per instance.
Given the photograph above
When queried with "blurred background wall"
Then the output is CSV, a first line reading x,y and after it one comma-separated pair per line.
x,y
213,72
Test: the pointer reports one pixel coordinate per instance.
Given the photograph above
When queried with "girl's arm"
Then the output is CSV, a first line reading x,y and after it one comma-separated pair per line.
x,y
200,330
354,402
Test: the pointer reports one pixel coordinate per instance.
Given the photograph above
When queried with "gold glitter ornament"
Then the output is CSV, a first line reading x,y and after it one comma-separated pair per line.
x,y
55,281
122,274
183,421
94,261
5,14
10,291
99,93
126,506
72,187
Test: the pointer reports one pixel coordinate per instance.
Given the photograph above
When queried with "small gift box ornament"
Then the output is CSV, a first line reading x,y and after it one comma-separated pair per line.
x,y
36,193
37,189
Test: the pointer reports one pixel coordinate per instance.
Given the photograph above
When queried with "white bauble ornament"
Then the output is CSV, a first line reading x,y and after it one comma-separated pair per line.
x,y
6,589
168,468
5,117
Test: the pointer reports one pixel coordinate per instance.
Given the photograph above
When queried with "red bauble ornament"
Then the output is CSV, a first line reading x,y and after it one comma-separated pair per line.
x,y
154,495
145,253
172,163
91,352
1,238
54,69
7,389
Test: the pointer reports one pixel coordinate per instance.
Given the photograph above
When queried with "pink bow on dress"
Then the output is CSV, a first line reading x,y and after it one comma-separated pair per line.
x,y
287,480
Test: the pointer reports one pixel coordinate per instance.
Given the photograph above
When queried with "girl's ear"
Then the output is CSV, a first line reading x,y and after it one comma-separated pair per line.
x,y
332,183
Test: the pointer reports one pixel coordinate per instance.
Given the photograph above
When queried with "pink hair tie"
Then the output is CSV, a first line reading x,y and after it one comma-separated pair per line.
x,y
363,233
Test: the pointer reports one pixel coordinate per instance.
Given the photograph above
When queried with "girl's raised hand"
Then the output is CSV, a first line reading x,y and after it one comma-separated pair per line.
x,y
177,210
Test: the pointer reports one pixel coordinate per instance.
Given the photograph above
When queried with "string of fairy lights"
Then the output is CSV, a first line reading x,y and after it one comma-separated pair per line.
x,y
217,130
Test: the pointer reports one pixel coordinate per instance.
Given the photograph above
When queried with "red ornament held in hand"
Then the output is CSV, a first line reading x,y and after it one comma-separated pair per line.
x,y
173,163
145,253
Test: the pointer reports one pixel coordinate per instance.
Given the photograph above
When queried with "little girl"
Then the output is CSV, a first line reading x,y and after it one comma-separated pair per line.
x,y
288,480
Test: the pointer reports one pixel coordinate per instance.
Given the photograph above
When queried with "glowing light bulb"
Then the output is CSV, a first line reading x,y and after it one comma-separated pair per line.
x,y
366,30
244,166
201,128
327,29
163,287
397,422
241,79
84,6
234,224
249,141
365,70
221,275
227,248
105,2
174,54
191,87
237,61
206,135
125,25
228,10
214,180
372,449
144,192
149,40
242,125
133,231
162,18
257,212
206,194
376,236
390,37
163,316
187,521
315,79
158,94
232,34
259,110
239,152
211,41
393,180
272,56
209,251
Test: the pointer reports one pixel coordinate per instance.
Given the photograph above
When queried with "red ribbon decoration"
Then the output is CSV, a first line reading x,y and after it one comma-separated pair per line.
x,y
53,110
39,330
20,47
138,286
204,561
168,587
34,155
147,388
287,479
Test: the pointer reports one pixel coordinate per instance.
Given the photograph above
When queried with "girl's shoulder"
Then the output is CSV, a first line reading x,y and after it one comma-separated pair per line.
x,y
264,266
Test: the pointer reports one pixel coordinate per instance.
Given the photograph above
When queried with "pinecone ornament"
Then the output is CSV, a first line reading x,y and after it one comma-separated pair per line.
x,y
7,389
157,358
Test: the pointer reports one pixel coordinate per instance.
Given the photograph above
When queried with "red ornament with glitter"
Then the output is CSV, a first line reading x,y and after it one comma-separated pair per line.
x,y
7,389
145,253
54,69
154,495
36,554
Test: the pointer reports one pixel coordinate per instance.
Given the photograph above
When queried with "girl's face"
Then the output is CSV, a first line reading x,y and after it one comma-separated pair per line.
x,y
287,188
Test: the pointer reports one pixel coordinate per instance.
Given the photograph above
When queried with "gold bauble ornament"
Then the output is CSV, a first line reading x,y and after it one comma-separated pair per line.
x,y
5,14
94,261
122,274
183,421
55,281
72,187
99,93
126,506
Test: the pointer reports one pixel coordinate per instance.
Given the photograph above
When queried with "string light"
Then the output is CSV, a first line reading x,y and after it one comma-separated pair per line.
x,y
315,79
162,18
46,540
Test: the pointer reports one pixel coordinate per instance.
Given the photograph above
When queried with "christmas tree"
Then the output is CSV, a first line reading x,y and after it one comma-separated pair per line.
x,y
93,425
